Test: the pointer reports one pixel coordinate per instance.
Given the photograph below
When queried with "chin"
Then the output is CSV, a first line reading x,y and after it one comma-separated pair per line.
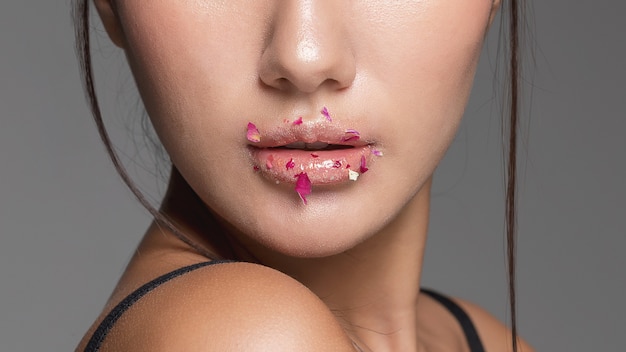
x,y
310,242
328,225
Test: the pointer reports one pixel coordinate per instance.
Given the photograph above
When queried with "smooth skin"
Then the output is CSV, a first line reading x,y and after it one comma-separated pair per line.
x,y
343,271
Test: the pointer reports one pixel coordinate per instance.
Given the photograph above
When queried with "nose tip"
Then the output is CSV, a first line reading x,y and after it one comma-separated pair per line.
x,y
307,68
307,49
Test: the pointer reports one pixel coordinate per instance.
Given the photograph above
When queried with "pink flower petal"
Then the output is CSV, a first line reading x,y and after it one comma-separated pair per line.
x,y
326,114
351,135
269,161
363,168
350,138
253,134
377,152
290,164
298,121
303,186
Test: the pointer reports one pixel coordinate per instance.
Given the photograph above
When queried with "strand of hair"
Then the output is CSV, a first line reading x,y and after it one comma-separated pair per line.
x,y
81,14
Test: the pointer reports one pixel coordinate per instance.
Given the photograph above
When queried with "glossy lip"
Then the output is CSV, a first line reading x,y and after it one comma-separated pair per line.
x,y
323,167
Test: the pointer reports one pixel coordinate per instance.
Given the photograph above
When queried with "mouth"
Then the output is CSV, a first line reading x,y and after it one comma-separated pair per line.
x,y
320,153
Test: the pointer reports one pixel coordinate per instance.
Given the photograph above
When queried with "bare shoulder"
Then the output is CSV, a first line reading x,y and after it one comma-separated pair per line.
x,y
495,336
229,307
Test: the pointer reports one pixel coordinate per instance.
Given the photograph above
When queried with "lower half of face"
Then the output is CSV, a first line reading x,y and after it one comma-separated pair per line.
x,y
354,102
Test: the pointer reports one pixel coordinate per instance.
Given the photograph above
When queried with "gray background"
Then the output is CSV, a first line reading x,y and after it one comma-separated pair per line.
x,y
68,226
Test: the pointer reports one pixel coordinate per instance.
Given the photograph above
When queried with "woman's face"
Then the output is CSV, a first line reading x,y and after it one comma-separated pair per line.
x,y
394,77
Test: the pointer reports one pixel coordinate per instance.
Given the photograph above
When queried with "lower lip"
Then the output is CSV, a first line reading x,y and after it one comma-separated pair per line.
x,y
323,167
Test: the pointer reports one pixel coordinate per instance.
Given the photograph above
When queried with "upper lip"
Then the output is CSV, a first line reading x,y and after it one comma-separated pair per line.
x,y
315,146
310,135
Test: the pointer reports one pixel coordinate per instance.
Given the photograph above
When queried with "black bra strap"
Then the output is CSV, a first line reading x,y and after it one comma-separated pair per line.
x,y
473,340
106,325
109,321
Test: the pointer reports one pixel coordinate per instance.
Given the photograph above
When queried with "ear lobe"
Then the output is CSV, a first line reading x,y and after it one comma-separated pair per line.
x,y
495,6
108,16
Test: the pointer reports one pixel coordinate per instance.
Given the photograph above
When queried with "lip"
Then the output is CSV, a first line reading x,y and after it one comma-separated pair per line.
x,y
324,167
310,132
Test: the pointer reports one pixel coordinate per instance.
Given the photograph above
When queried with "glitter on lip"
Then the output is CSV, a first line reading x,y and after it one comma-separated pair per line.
x,y
298,121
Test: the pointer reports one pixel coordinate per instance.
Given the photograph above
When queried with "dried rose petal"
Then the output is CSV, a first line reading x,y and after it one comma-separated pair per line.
x,y
269,162
353,175
303,186
363,168
253,134
350,138
315,155
377,152
351,135
290,164
298,121
326,114
337,164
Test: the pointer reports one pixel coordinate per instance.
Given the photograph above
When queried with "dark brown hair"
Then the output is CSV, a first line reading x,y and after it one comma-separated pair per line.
x,y
516,12
513,10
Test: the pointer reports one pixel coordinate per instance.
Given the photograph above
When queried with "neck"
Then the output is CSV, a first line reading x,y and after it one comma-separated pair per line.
x,y
372,288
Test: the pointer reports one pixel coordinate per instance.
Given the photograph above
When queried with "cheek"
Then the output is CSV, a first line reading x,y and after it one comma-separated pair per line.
x,y
187,68
426,84
431,53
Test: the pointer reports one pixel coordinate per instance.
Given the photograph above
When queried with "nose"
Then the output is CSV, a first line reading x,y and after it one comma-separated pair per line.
x,y
308,47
